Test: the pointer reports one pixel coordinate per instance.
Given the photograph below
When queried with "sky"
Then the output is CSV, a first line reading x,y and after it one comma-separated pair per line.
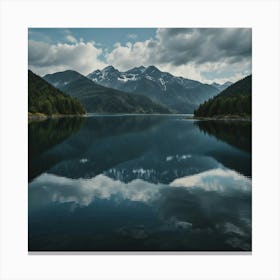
x,y
203,54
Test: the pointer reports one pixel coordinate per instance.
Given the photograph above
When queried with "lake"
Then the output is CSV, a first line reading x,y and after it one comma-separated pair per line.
x,y
139,183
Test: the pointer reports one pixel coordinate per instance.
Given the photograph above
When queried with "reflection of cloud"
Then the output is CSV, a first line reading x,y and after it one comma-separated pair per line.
x,y
238,243
84,191
195,213
229,227
215,180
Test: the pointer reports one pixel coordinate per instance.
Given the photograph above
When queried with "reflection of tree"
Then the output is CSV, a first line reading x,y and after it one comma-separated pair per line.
x,y
235,133
93,141
44,135
105,142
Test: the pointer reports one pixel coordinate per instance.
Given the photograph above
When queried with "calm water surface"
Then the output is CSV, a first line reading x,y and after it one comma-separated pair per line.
x,y
139,183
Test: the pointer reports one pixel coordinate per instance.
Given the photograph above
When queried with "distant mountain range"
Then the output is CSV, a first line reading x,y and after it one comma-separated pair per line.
x,y
138,90
221,87
179,94
99,99
234,100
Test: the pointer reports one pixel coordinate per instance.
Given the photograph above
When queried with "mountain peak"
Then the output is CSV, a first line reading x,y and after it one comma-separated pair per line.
x,y
152,70
109,68
152,67
228,83
67,74
215,84
142,67
136,70
221,87
178,93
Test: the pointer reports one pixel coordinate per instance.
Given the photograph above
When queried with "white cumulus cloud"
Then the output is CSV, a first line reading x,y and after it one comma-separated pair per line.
x,y
204,54
46,58
71,39
198,54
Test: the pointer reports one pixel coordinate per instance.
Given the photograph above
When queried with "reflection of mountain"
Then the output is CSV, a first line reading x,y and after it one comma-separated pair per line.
x,y
44,135
127,148
136,183
47,151
155,149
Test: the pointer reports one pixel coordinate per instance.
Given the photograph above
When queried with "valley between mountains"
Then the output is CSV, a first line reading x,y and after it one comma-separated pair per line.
x,y
140,90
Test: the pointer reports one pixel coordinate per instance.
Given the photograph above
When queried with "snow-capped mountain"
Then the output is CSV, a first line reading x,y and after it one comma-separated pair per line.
x,y
180,94
99,99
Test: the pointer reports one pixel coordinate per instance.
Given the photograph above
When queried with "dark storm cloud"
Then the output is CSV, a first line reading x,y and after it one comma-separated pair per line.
x,y
180,46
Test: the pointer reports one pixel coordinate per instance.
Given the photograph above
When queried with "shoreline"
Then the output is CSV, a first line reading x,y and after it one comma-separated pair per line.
x,y
42,117
225,118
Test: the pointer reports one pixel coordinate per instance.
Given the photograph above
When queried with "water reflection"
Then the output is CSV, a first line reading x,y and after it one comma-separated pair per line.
x,y
84,191
42,136
236,133
157,149
220,180
139,183
214,203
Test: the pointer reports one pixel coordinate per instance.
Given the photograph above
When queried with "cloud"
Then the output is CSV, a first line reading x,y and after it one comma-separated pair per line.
x,y
192,53
48,58
129,55
71,39
204,54
180,46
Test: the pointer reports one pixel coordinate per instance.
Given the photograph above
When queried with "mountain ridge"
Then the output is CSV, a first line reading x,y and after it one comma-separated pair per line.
x,y
177,93
99,99
223,86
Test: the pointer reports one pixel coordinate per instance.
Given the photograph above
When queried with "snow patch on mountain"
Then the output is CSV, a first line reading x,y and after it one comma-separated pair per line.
x,y
125,78
178,93
162,82
149,78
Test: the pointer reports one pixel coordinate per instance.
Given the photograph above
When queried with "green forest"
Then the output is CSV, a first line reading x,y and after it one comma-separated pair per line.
x,y
46,99
234,100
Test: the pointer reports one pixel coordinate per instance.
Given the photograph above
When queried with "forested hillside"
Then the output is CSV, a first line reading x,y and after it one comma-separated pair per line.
x,y
235,100
46,99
